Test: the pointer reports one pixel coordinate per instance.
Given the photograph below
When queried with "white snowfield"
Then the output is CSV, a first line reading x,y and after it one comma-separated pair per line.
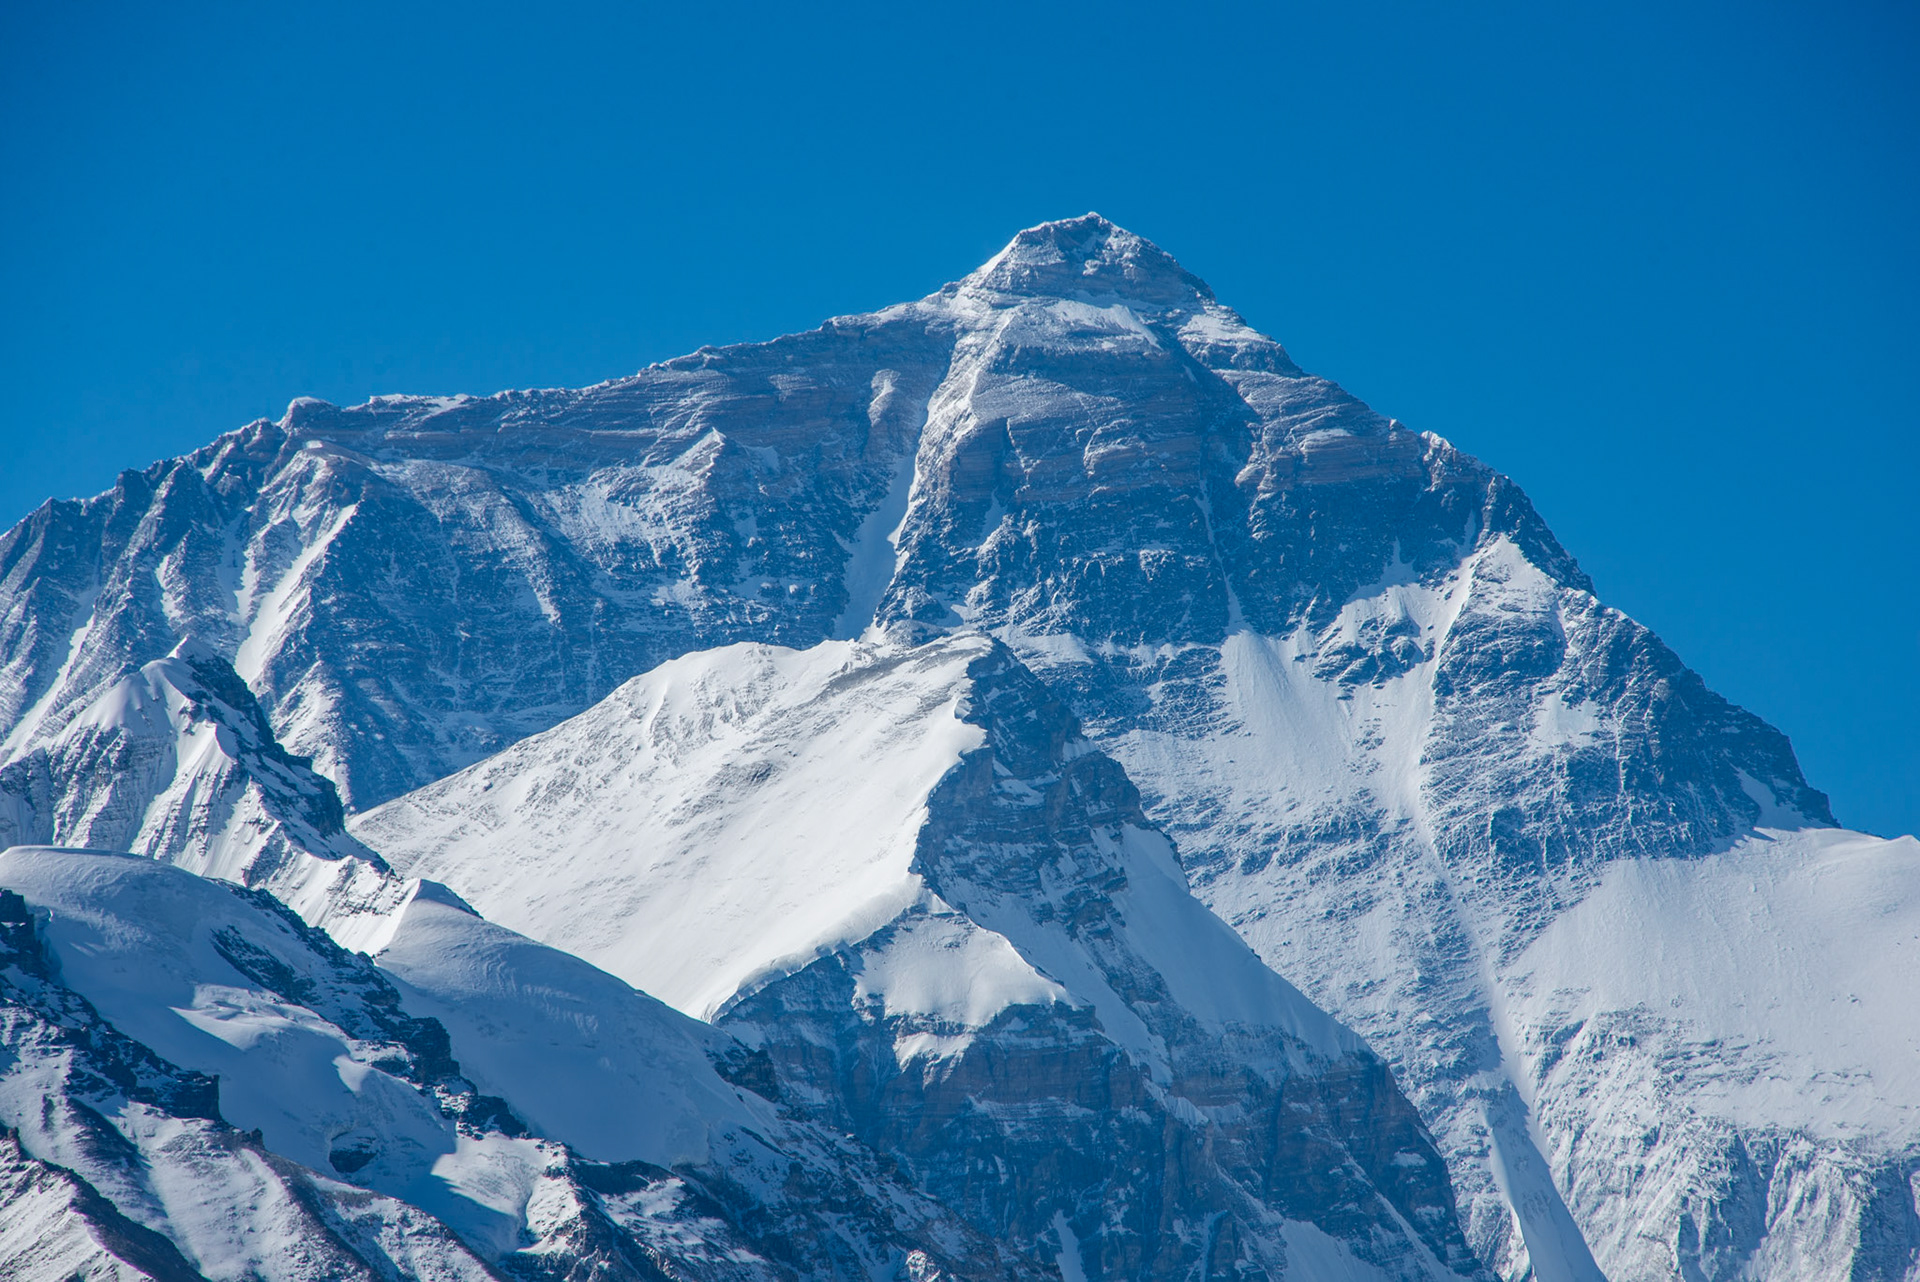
x,y
729,816
608,1071
1784,974
179,963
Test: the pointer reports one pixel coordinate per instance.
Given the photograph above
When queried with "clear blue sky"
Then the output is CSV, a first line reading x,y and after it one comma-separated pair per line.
x,y
1660,263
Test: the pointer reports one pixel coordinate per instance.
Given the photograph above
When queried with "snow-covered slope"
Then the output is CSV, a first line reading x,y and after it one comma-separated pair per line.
x,y
136,1146
691,832
604,1069
1378,707
903,874
188,1059
1754,1011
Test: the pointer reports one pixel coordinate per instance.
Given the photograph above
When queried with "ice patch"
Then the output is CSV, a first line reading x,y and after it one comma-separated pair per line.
x,y
1071,1269
875,554
1559,724
940,965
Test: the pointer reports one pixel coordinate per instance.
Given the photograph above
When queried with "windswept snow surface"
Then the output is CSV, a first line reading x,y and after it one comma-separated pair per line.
x,y
608,1071
714,822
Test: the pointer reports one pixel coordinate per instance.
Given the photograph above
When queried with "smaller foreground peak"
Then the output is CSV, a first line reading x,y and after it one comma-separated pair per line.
x,y
1089,257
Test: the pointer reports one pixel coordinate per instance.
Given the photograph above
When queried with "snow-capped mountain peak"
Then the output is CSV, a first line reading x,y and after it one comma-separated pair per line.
x,y
177,761
1088,259
175,756
1392,735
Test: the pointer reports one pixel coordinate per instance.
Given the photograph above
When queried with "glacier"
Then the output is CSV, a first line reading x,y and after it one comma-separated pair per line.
x,y
1644,994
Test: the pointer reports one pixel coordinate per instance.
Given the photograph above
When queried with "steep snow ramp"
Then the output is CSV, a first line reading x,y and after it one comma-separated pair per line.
x,y
729,815
903,876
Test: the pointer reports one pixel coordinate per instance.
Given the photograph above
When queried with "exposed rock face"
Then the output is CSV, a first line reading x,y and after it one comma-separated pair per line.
x,y
1032,824
1377,706
328,1132
1008,988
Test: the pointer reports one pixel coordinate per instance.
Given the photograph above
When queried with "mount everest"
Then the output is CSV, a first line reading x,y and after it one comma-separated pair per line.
x,y
972,715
